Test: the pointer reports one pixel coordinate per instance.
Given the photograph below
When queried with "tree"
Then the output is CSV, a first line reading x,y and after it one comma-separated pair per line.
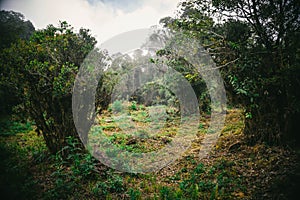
x,y
44,69
275,66
13,27
255,43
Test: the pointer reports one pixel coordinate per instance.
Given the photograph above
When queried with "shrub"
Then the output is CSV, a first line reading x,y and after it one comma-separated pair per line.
x,y
117,106
44,70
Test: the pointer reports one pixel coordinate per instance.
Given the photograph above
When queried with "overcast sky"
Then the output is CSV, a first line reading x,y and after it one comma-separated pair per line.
x,y
105,18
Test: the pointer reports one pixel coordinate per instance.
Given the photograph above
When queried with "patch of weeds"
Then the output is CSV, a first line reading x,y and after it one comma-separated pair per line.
x,y
71,172
118,138
176,177
232,128
184,170
223,164
195,187
191,159
136,148
140,116
128,142
8,127
142,107
16,179
212,183
141,134
166,193
201,126
206,185
199,169
133,106
109,127
134,194
170,193
112,184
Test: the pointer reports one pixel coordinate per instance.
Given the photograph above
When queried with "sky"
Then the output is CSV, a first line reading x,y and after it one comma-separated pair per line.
x,y
105,18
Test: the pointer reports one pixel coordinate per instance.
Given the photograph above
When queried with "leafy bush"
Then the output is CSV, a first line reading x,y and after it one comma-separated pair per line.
x,y
72,171
8,127
133,106
112,184
117,106
44,70
134,194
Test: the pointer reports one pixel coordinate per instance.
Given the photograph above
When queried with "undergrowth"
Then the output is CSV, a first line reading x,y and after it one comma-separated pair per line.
x,y
233,170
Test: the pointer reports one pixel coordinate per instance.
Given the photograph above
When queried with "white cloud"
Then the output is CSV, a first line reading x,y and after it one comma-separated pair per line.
x,y
104,19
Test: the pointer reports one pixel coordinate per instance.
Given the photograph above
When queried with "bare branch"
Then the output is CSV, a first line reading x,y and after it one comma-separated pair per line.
x,y
221,66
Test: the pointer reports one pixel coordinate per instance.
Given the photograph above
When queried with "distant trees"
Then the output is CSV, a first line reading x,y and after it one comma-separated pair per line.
x,y
255,45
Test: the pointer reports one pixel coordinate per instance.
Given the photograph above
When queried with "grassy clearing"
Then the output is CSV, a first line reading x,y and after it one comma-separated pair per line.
x,y
137,128
233,170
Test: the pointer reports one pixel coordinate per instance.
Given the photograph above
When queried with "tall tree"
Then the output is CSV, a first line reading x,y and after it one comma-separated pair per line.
x,y
13,27
256,45
44,69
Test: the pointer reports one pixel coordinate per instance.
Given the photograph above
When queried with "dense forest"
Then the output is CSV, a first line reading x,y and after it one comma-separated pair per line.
x,y
48,137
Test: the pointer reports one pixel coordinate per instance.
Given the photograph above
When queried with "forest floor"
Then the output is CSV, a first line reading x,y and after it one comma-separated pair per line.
x,y
232,170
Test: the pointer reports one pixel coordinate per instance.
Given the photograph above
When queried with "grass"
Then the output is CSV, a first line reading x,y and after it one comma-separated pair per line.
x,y
8,127
136,128
28,171
18,151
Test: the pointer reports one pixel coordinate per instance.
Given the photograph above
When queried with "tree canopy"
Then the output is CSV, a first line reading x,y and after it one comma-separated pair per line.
x,y
13,26
255,46
44,69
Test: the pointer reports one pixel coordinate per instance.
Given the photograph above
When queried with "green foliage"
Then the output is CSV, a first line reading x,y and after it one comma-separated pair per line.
x,y
133,106
16,178
181,65
13,28
8,127
265,55
211,183
113,184
134,194
72,171
255,45
44,70
166,193
117,106
28,171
